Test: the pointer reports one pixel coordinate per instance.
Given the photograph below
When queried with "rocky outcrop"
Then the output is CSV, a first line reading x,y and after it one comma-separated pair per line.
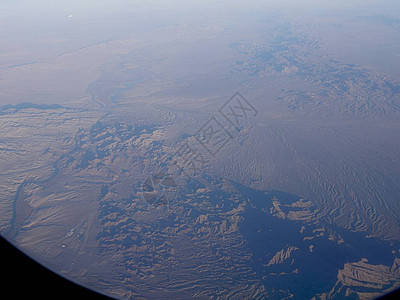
x,y
364,281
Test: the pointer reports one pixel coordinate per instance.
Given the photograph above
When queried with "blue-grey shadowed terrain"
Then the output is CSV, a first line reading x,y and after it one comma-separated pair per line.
x,y
317,268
